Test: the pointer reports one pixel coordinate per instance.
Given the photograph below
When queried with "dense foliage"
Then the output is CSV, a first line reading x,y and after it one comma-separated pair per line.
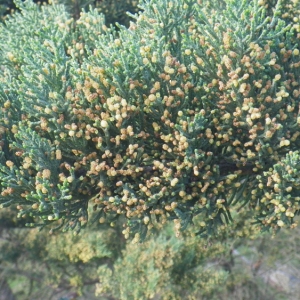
x,y
191,111
190,114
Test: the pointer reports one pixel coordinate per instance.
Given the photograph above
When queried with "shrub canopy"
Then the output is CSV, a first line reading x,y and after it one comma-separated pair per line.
x,y
191,111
